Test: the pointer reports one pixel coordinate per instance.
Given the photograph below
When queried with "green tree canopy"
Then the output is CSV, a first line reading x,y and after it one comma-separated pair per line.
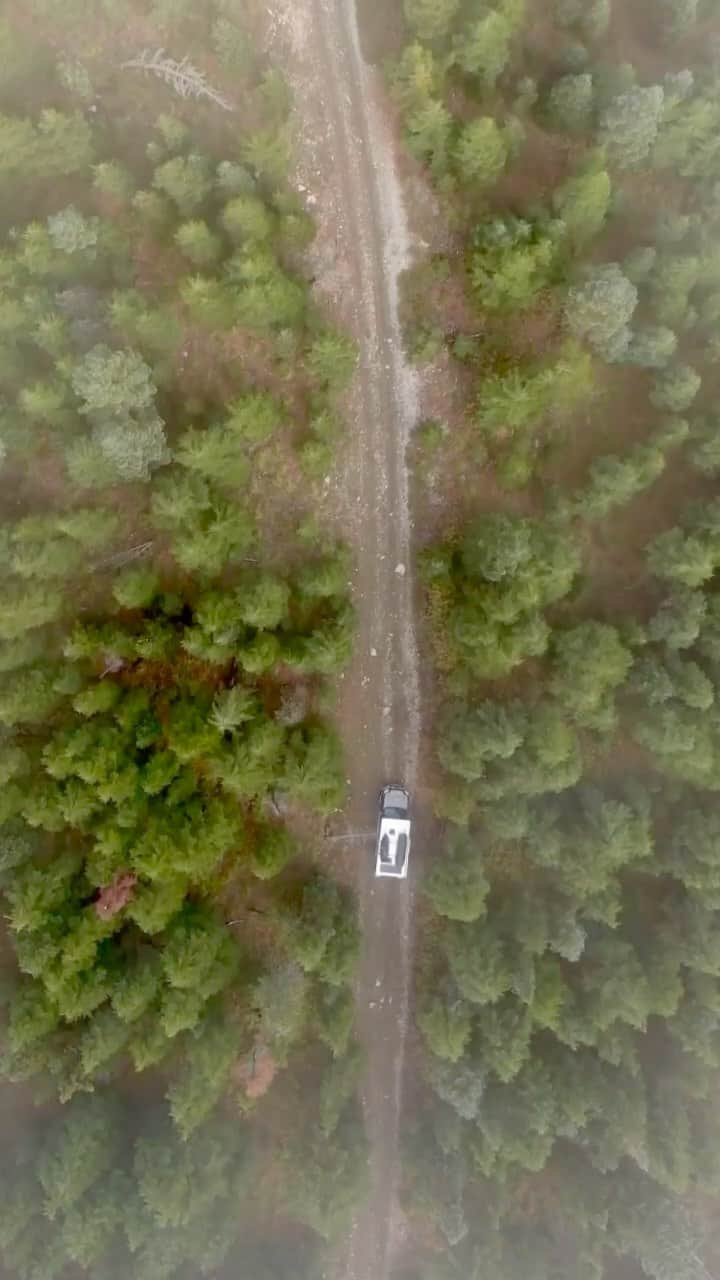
x,y
480,152
431,19
589,663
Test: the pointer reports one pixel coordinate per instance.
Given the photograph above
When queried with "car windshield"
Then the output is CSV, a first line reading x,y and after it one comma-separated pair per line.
x,y
394,813
396,800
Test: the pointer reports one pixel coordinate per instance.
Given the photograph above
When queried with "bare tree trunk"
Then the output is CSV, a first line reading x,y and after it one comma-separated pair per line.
x,y
186,80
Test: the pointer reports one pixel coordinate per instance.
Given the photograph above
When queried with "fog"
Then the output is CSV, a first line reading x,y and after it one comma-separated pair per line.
x,y
358,377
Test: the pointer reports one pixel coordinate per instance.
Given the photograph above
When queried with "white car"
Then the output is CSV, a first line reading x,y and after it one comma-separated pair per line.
x,y
393,838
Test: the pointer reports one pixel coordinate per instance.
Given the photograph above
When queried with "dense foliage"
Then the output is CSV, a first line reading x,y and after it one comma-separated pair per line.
x,y
113,1189
172,615
568,995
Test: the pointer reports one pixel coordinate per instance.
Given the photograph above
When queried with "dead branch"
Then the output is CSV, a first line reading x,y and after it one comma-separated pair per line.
x,y
258,911
124,557
186,80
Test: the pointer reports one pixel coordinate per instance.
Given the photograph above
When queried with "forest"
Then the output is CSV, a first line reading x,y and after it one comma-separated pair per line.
x,y
174,613
568,966
179,1071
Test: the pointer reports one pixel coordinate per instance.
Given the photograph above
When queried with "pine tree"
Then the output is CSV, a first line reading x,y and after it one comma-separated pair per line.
x,y
678,621
154,905
280,998
683,558
460,1085
209,302
675,389
180,1010
446,1025
431,19
187,180
111,179
136,587
30,696
234,707
246,218
482,50
17,143
55,145
519,400
73,233
332,360
313,772
267,154
78,1148
583,204
513,260
269,298
195,942
232,46
33,1015
334,1010
480,152
630,124
103,1039
44,402
600,309
44,557
205,1075
215,455
615,481
429,128
263,603
478,962
571,102
273,848
338,1088
113,382
136,989
201,245
589,663
253,418
672,283
652,348
91,527
220,535
456,885
504,1030
687,143
415,78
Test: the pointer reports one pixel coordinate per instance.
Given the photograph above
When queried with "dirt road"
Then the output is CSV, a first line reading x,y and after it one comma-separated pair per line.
x,y
347,168
380,705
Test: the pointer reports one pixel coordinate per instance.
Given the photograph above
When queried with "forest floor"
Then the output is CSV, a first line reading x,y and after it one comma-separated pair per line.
x,y
346,166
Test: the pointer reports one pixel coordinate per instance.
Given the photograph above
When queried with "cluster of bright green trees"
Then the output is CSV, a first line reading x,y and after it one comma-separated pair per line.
x,y
568,996
170,619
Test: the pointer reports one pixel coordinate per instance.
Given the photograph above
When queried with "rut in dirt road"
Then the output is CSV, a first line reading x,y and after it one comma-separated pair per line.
x,y
379,712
